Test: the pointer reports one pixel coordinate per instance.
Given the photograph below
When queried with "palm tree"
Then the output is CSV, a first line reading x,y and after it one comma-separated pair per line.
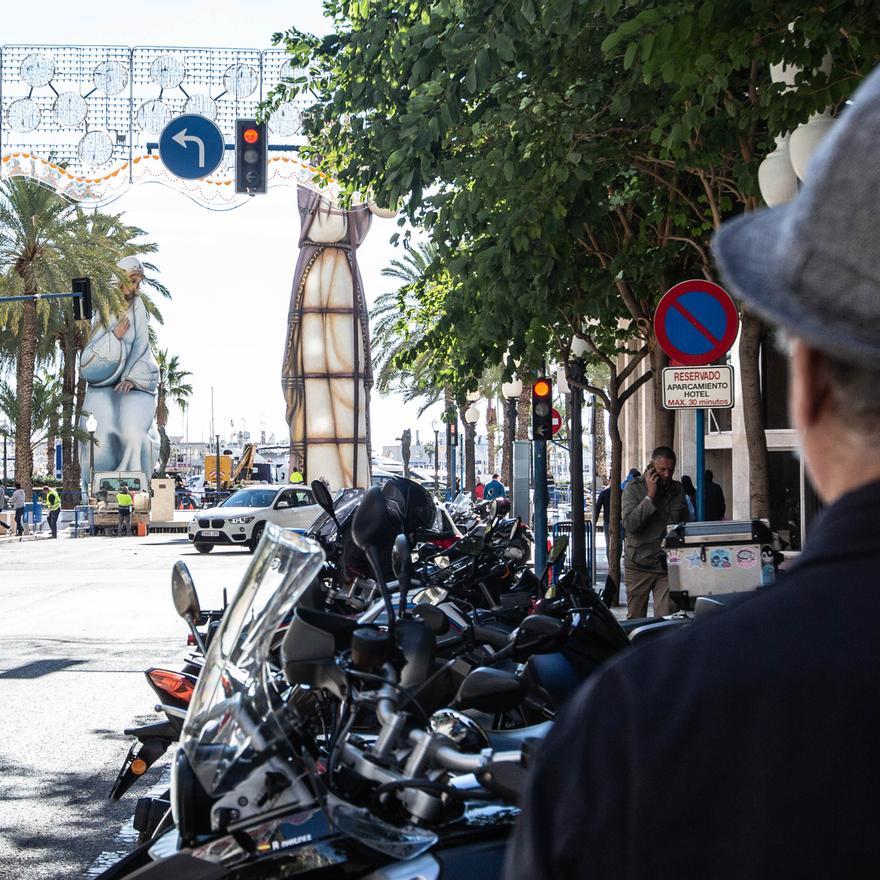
x,y
45,240
45,406
392,334
173,387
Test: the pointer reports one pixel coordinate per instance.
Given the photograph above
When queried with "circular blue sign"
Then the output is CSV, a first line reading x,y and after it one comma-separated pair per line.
x,y
191,146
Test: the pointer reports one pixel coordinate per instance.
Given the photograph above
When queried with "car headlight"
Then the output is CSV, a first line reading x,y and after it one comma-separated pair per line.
x,y
240,519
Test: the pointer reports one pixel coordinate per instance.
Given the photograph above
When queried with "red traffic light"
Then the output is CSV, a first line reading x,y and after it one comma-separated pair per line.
x,y
251,135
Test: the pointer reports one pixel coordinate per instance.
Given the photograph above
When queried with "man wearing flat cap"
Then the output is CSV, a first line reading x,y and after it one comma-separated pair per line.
x,y
746,746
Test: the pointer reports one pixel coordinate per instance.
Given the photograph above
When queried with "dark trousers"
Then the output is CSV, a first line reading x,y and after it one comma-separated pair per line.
x,y
19,525
53,521
124,522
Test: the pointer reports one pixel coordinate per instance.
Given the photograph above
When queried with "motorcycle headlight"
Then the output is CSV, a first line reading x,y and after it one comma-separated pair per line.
x,y
240,519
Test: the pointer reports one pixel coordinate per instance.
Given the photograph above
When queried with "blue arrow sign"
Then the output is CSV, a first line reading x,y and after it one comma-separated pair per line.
x,y
191,146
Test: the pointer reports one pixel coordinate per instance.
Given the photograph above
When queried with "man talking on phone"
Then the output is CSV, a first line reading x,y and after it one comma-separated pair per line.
x,y
650,503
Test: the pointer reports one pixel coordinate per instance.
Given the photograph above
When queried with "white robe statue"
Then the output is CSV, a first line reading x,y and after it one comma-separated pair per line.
x,y
122,377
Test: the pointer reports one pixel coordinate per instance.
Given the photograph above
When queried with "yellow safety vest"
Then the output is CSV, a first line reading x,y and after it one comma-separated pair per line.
x,y
53,500
296,477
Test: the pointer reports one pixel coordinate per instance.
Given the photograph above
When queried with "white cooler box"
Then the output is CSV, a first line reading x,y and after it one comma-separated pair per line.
x,y
712,558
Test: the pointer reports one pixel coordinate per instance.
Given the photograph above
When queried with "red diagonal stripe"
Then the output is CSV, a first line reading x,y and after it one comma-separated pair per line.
x,y
695,323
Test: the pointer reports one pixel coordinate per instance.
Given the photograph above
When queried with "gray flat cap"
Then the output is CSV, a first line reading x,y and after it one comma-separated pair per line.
x,y
812,266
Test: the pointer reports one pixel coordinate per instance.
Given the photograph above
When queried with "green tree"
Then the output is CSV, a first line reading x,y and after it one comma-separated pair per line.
x,y
719,112
173,387
45,240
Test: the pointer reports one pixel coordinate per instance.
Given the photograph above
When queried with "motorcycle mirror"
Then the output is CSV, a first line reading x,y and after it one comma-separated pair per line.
x,y
400,556
538,634
470,545
321,494
490,690
370,522
183,591
433,617
557,551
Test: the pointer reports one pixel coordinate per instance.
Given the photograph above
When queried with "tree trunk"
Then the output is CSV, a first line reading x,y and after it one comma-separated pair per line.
x,y
524,412
491,431
164,450
753,413
664,419
24,384
50,446
613,523
601,444
449,408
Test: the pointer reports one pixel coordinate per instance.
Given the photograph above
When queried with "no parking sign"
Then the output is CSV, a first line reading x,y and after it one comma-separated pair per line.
x,y
696,322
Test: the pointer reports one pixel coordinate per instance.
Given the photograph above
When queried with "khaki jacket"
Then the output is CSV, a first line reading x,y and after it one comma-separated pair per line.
x,y
645,522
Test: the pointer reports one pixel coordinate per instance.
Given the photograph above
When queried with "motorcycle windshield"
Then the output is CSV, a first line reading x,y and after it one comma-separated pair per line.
x,y
236,713
344,506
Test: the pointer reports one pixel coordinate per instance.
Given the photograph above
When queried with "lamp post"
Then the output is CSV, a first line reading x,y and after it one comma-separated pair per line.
x,y
510,391
6,430
435,425
91,427
471,417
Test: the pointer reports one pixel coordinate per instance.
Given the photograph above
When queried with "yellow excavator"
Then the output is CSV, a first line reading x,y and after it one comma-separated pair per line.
x,y
231,476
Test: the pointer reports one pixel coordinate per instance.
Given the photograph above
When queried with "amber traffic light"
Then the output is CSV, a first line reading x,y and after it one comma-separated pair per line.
x,y
542,409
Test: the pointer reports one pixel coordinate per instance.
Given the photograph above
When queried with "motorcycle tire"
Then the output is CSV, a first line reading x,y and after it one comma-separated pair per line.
x,y
204,548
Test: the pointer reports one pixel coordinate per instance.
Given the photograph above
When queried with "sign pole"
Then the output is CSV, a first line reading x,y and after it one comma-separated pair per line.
x,y
540,505
701,464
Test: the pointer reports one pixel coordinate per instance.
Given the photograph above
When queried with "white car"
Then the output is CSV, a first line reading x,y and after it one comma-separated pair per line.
x,y
241,518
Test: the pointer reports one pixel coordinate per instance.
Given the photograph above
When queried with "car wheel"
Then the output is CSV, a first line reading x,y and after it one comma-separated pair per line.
x,y
204,548
255,537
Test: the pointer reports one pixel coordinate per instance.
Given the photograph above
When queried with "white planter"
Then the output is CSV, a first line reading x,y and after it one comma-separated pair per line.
x,y
806,138
776,178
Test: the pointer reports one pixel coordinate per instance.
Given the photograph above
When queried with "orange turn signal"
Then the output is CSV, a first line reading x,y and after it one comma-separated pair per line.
x,y
138,766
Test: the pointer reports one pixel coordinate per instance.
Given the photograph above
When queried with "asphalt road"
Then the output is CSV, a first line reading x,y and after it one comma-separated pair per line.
x,y
80,620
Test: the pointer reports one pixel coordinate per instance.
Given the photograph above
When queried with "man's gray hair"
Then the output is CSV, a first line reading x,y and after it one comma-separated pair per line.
x,y
856,390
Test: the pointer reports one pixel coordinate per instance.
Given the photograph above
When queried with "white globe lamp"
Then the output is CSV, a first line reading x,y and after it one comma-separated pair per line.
x,y
776,178
805,140
511,390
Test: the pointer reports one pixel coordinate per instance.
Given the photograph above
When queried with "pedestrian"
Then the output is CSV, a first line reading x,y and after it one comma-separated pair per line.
x,y
650,503
296,476
714,497
18,504
633,473
479,491
53,502
756,729
125,504
690,496
494,489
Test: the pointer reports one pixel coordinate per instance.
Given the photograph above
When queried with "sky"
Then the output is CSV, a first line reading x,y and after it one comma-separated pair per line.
x,y
229,272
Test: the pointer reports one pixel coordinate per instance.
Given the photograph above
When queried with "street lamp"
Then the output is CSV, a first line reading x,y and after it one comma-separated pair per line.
x,y
91,427
510,391
471,417
435,425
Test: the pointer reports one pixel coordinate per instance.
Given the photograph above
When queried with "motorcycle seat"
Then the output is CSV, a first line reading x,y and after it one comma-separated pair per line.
x,y
511,740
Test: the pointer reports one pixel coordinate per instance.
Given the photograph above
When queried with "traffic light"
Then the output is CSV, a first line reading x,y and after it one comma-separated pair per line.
x,y
251,152
542,409
452,432
82,304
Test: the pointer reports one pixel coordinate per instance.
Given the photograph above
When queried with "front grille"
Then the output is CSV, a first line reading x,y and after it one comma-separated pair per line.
x,y
204,523
216,523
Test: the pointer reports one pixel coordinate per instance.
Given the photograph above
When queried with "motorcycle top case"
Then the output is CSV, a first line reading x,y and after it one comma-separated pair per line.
x,y
712,558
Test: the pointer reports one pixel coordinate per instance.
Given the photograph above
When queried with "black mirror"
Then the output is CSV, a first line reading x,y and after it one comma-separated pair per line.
x,y
370,522
539,634
557,551
490,690
322,497
470,545
183,591
400,556
433,618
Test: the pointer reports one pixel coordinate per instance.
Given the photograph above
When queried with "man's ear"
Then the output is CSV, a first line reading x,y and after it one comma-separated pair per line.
x,y
810,392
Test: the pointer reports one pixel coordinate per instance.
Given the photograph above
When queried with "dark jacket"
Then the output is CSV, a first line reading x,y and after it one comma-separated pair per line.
x,y
715,506
744,746
645,521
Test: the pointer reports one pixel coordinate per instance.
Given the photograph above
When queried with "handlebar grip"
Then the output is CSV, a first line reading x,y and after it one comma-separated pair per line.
x,y
490,636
